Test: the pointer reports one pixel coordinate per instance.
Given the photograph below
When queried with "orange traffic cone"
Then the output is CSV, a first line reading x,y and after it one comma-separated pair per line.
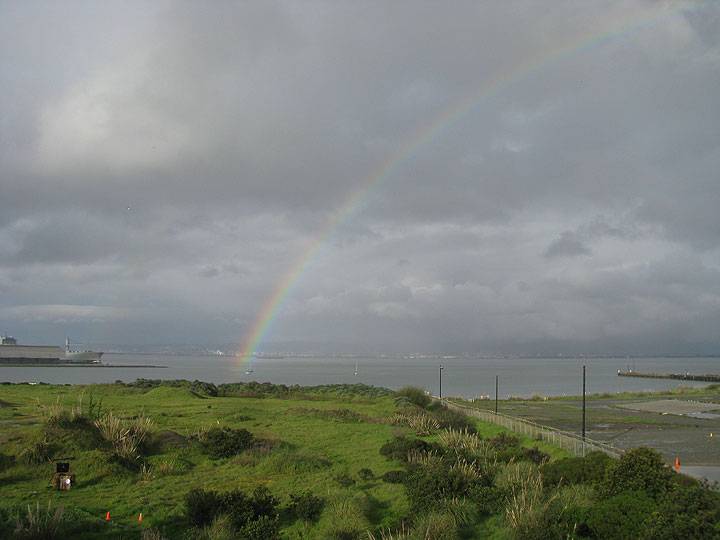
x,y
677,464
140,518
107,516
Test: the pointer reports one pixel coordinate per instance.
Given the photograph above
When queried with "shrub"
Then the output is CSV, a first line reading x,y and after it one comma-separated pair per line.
x,y
565,514
535,455
400,447
226,442
621,516
502,441
219,529
5,524
489,499
345,519
427,485
306,506
6,462
366,474
344,479
639,469
576,470
262,528
413,395
394,477
450,419
691,511
201,507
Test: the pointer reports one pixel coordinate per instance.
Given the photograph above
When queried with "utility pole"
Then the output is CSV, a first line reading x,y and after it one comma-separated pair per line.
x,y
496,393
441,370
583,402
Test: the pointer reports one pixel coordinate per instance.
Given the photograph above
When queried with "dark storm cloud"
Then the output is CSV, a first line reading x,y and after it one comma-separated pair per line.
x,y
165,165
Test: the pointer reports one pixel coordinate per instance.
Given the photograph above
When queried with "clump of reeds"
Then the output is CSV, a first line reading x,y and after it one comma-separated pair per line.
x,y
470,470
40,522
423,457
125,436
422,423
65,415
526,503
461,439
403,533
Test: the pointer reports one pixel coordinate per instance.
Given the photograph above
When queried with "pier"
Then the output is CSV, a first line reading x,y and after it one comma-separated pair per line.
x,y
676,376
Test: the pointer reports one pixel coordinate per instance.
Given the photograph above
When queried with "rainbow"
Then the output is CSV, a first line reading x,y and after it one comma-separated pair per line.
x,y
447,117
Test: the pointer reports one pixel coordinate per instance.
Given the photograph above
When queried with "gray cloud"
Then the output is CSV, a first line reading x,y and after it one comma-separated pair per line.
x,y
173,162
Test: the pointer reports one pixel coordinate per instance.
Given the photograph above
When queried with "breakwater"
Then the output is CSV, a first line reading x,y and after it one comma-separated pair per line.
x,y
676,376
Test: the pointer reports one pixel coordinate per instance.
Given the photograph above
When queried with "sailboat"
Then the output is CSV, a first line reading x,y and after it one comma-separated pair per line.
x,y
356,368
250,369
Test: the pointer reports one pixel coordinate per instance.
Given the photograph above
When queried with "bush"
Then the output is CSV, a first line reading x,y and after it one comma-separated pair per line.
x,y
691,511
621,516
306,506
426,485
576,470
394,477
450,419
400,447
565,514
345,519
639,469
502,442
535,455
366,474
344,479
6,462
262,528
201,507
413,395
227,442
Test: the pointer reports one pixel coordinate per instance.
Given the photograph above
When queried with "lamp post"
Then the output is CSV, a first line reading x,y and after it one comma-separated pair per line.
x,y
441,370
583,407
496,393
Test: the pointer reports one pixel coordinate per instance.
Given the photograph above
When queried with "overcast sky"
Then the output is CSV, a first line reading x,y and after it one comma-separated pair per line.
x,y
165,164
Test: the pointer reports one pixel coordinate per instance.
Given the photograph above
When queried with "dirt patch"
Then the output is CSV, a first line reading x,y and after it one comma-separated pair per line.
x,y
671,406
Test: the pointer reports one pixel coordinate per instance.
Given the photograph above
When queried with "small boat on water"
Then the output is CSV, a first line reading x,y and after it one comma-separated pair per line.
x,y
356,368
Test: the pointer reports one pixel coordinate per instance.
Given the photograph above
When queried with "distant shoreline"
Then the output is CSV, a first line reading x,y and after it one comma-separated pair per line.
x,y
84,365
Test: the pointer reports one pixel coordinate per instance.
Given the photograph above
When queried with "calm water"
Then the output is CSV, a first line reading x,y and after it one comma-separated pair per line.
x,y
467,377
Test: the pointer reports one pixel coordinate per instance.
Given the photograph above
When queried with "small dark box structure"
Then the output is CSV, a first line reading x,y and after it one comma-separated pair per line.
x,y
63,479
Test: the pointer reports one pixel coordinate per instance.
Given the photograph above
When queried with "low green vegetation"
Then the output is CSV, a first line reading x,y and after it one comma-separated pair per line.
x,y
179,459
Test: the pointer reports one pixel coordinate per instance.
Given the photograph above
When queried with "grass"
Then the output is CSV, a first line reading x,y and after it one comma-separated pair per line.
x,y
309,439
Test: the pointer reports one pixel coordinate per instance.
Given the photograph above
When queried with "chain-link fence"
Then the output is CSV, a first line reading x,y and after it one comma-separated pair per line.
x,y
568,441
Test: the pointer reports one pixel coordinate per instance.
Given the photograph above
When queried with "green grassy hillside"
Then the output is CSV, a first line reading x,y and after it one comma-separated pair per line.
x,y
333,445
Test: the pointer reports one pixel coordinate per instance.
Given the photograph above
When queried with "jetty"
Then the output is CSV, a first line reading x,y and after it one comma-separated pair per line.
x,y
677,376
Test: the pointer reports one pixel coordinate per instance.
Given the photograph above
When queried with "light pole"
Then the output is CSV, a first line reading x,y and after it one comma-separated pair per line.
x,y
583,407
441,370
496,393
